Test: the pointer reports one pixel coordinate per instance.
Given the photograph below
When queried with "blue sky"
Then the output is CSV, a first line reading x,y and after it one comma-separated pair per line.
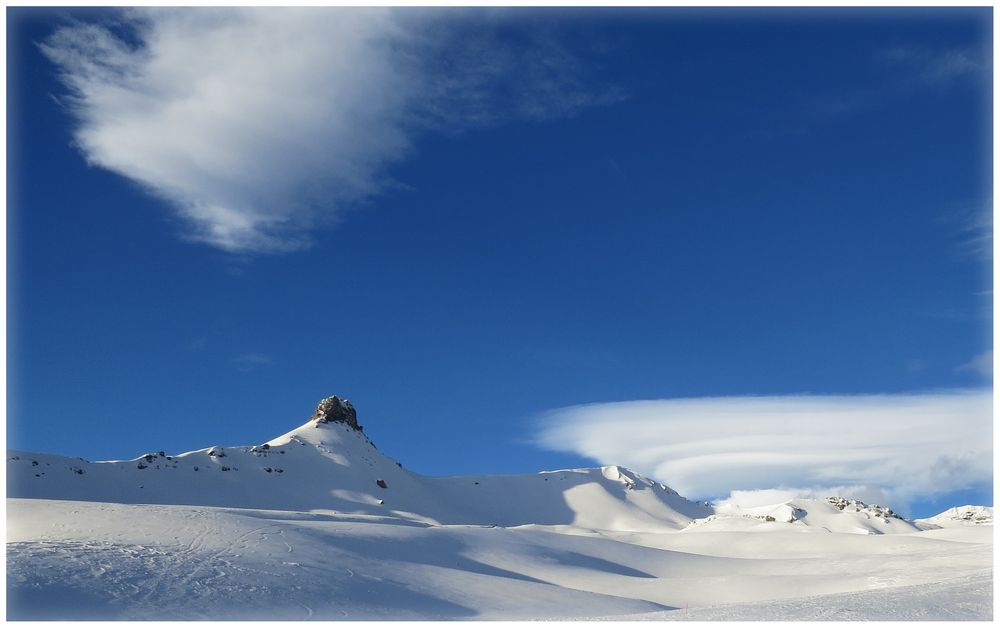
x,y
465,220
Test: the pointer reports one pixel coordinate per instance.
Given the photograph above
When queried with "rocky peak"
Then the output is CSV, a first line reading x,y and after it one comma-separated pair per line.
x,y
336,410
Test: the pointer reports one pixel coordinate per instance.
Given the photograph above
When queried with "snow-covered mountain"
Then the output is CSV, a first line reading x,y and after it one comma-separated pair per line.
x,y
957,517
317,523
833,514
330,464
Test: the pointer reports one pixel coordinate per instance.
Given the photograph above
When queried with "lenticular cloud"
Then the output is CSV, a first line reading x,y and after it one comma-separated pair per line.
x,y
258,125
898,446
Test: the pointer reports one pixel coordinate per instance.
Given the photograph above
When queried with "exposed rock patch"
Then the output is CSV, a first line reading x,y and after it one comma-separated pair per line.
x,y
336,410
874,510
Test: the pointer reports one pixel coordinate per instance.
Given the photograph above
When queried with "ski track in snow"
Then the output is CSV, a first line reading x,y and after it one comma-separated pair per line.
x,y
344,532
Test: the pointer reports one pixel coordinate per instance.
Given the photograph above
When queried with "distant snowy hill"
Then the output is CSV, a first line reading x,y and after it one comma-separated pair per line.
x,y
960,516
317,523
833,514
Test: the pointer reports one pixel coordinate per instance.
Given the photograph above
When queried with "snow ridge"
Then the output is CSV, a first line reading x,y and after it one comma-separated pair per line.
x,y
329,463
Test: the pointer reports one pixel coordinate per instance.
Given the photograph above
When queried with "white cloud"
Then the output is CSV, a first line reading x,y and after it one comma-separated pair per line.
x,y
895,446
259,125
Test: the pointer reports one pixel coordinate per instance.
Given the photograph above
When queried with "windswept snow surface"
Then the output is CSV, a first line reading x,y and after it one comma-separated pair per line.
x,y
966,598
318,524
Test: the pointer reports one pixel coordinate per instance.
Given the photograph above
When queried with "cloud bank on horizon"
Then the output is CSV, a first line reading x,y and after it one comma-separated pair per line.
x,y
260,125
755,450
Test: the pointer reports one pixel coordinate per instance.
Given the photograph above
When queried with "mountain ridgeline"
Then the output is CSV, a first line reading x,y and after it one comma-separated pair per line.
x,y
328,464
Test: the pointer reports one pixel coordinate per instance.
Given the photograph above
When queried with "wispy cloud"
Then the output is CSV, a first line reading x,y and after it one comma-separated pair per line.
x,y
981,364
247,362
898,446
976,232
901,71
935,66
260,125
197,345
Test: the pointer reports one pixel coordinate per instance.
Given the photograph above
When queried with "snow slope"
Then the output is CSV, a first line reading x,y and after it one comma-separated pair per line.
x,y
964,598
99,560
317,523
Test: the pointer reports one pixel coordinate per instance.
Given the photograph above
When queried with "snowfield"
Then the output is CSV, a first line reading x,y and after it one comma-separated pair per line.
x,y
318,524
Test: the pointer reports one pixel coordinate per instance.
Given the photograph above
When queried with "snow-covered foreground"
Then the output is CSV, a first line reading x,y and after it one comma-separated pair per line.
x,y
319,524
100,560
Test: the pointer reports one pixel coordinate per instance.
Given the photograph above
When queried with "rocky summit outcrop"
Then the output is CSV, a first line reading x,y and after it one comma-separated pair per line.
x,y
336,410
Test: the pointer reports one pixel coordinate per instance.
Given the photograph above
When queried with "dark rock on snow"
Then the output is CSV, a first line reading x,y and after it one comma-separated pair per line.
x,y
336,410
